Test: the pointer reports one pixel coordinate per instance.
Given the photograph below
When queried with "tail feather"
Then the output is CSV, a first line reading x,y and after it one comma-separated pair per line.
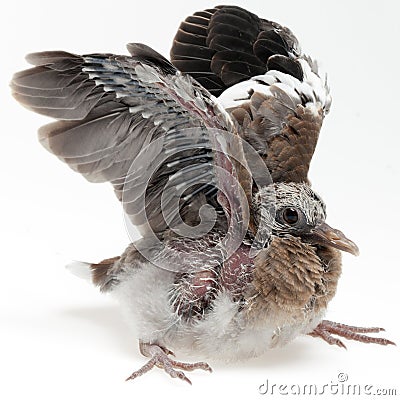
x,y
102,274
80,269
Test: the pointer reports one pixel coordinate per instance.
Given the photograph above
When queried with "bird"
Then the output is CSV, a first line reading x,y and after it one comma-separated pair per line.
x,y
209,154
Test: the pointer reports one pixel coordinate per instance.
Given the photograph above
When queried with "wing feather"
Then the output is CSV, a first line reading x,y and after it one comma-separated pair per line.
x,y
274,91
136,122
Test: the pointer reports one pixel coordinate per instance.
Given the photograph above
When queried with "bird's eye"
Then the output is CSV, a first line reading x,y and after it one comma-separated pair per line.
x,y
290,215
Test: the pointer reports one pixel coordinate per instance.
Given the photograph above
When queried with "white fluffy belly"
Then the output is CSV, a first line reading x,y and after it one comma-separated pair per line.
x,y
224,332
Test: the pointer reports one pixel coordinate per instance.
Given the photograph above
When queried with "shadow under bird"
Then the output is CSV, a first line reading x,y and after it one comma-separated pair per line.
x,y
209,155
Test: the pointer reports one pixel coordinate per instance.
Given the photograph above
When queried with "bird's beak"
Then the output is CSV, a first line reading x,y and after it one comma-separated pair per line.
x,y
327,236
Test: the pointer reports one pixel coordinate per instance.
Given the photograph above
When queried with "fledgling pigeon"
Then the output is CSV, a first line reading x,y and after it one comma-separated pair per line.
x,y
209,156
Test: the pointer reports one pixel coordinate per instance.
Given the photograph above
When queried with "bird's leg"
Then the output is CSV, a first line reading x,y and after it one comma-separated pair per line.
x,y
159,357
325,329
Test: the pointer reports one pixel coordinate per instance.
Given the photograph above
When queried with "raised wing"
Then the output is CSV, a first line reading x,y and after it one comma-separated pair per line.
x,y
154,133
281,117
275,92
228,44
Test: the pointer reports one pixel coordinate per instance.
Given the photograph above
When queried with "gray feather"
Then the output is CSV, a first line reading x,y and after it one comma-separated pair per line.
x,y
133,121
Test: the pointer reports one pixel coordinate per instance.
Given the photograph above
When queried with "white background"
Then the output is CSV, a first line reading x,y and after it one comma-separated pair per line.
x,y
61,339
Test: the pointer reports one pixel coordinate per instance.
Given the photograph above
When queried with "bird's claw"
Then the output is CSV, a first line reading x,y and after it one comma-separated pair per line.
x,y
325,329
159,357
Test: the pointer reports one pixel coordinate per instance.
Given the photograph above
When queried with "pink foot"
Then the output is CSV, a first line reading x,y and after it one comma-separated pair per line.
x,y
325,329
159,357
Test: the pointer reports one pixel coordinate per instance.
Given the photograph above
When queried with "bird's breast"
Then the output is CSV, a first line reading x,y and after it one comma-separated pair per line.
x,y
292,281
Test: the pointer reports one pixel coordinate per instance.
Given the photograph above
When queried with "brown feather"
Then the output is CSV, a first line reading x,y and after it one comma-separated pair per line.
x,y
100,271
292,278
287,152
105,274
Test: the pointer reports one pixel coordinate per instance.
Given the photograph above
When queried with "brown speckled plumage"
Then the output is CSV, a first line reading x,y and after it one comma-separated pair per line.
x,y
332,265
289,280
287,155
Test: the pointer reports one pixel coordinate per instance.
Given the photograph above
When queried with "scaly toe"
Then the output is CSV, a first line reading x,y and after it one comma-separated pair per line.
x,y
326,328
159,356
191,366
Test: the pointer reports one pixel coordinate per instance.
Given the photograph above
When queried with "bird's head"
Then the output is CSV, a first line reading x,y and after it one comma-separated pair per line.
x,y
295,209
